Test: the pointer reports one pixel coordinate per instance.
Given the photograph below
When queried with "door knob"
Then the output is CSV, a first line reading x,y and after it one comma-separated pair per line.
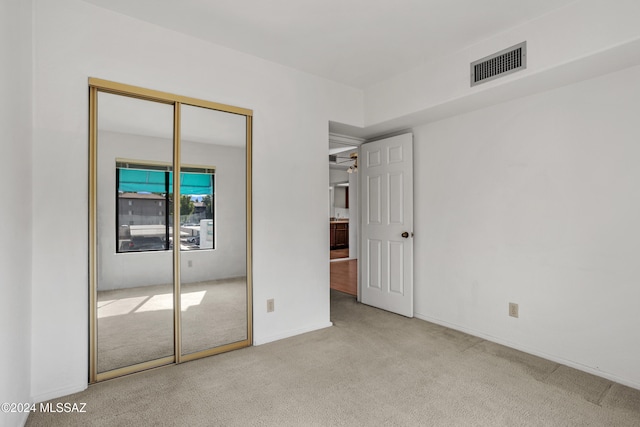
x,y
405,234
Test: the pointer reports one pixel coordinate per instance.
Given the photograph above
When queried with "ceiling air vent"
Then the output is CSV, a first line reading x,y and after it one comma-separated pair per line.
x,y
333,158
499,64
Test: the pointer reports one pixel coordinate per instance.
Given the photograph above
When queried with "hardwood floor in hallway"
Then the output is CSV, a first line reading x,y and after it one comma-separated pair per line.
x,y
339,253
344,276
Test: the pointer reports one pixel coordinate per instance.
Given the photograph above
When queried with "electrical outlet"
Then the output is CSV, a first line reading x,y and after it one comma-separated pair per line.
x,y
190,263
270,305
513,309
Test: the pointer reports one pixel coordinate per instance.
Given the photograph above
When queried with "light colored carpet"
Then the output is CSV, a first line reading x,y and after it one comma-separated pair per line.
x,y
136,325
371,368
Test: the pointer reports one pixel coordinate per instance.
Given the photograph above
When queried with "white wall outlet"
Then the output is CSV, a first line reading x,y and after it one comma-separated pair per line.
x,y
190,263
513,309
270,305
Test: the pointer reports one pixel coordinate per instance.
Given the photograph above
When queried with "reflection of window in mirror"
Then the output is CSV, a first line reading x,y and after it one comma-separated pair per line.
x,y
144,206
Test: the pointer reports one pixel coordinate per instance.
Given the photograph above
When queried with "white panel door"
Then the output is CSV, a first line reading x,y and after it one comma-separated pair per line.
x,y
386,257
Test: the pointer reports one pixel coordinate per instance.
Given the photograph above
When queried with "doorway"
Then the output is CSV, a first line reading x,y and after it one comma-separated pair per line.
x,y
343,212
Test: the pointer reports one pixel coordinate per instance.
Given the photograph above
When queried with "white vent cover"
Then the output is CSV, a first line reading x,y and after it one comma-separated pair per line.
x,y
499,64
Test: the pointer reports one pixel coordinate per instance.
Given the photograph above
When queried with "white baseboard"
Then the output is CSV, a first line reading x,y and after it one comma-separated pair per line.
x,y
65,391
23,419
533,351
291,333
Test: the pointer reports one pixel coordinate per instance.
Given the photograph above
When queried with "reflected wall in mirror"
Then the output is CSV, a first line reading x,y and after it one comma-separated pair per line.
x,y
135,269
170,229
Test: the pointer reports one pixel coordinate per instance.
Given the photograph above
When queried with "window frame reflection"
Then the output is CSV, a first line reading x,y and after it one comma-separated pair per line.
x,y
153,182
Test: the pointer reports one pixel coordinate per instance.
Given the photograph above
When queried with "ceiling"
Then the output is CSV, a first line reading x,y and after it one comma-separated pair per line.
x,y
355,42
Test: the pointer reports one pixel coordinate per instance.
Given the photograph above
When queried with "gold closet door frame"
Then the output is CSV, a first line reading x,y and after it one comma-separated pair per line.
x,y
99,85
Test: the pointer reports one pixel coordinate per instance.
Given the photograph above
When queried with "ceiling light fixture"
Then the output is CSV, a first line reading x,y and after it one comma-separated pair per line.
x,y
353,168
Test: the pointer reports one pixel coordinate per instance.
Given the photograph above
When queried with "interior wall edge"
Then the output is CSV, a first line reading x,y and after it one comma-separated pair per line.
x,y
530,350
22,419
64,391
494,208
16,221
292,333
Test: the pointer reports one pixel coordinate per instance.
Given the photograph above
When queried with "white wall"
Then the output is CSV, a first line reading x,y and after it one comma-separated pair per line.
x,y
338,176
75,40
536,201
15,205
124,270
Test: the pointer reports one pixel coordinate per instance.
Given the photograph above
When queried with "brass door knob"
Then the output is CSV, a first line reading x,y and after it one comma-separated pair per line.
x,y
405,234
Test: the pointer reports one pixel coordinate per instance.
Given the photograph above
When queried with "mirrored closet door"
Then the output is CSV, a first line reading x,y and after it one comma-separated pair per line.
x,y
170,267
213,277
